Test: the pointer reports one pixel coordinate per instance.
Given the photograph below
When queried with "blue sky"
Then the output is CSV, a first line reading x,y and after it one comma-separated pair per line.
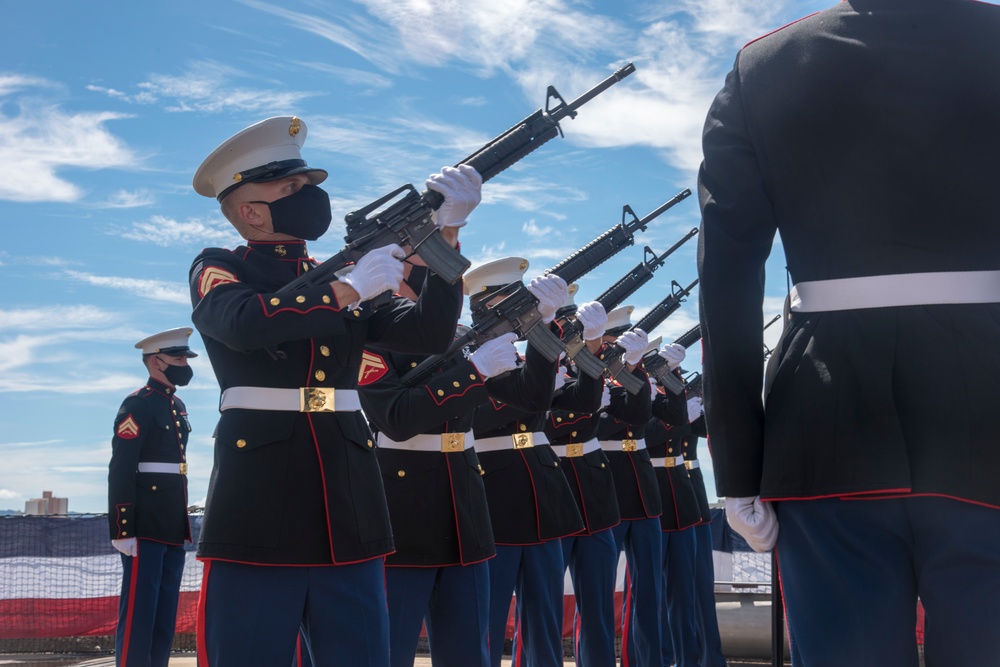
x,y
107,109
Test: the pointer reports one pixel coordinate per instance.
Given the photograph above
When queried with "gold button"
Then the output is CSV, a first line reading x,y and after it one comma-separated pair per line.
x,y
326,299
241,443
413,364
630,434
124,520
300,299
602,465
370,443
175,412
573,434
123,510
324,350
178,423
472,376
571,415
670,450
556,464
481,471
523,427
124,533
456,384
320,375
357,313
440,392
154,488
558,420
305,266
275,301
401,473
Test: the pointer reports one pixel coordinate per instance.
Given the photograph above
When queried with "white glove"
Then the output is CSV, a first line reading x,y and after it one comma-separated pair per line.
x,y
551,292
593,318
674,354
605,397
496,356
560,380
694,408
127,546
754,520
634,342
462,190
378,271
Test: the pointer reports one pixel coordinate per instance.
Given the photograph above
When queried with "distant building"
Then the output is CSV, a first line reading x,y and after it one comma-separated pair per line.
x,y
47,505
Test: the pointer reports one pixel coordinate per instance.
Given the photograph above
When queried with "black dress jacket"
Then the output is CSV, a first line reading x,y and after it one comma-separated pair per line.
x,y
866,135
151,426
437,501
635,481
529,499
298,487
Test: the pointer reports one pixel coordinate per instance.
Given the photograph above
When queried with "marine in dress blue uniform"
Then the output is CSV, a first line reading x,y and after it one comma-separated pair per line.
x,y
438,575
620,432
531,505
866,136
664,440
296,525
591,555
147,501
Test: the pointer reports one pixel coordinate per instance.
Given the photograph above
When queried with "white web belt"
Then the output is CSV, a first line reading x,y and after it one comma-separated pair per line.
x,y
901,289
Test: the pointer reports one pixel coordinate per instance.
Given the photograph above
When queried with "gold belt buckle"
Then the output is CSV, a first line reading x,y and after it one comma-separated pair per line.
x,y
184,469
316,399
670,462
452,442
629,445
523,440
689,465
574,450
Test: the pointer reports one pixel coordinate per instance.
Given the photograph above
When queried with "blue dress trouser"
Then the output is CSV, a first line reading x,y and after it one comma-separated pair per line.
x,y
679,612
641,540
593,565
852,570
452,600
534,573
251,615
147,609
704,583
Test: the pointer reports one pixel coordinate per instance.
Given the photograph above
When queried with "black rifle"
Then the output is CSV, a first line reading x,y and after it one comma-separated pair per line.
x,y
653,319
656,366
404,215
768,351
518,312
614,296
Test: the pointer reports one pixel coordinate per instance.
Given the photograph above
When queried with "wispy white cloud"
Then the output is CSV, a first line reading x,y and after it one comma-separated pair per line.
x,y
154,290
126,199
207,87
39,140
167,232
55,317
350,30
532,229
363,82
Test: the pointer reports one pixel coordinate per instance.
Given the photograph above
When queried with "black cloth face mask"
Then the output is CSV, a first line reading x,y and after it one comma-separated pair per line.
x,y
178,375
304,214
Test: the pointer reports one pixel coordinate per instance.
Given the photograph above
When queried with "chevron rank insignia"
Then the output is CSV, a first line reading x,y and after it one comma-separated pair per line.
x,y
373,367
211,277
128,429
